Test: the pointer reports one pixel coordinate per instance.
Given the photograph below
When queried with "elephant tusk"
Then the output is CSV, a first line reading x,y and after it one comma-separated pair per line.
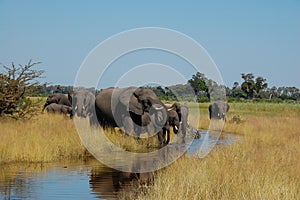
x,y
169,109
158,107
76,108
176,128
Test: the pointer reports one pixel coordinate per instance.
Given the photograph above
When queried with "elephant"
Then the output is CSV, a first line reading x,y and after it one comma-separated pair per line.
x,y
84,104
59,108
177,118
218,110
128,107
58,98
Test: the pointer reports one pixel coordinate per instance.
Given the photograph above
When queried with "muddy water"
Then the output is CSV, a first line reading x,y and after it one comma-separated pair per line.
x,y
78,180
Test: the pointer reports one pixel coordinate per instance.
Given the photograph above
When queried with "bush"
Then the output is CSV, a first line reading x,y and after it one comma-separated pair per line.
x,y
202,99
16,84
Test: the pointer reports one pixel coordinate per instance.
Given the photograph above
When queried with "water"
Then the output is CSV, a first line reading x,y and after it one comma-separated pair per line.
x,y
79,180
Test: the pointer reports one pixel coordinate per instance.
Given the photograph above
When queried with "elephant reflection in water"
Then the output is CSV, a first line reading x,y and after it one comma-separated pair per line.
x,y
108,183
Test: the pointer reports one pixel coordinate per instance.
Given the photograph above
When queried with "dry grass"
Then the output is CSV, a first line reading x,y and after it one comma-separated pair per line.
x,y
42,139
263,165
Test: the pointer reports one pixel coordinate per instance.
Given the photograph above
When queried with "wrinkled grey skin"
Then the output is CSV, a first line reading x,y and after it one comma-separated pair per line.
x,y
59,108
218,110
84,104
125,107
58,98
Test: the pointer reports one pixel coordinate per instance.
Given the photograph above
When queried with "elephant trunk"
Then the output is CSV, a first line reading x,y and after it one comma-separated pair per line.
x,y
80,111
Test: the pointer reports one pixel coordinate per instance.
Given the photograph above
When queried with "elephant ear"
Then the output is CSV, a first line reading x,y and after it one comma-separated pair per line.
x,y
227,107
129,98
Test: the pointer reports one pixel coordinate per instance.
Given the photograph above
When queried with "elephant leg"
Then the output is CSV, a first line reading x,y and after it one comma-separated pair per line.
x,y
137,130
164,136
93,120
150,129
128,125
160,136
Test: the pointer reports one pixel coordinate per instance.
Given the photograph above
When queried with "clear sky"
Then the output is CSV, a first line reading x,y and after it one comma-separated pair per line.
x,y
261,37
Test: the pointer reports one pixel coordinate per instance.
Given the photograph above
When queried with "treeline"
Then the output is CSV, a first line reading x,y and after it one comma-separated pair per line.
x,y
19,83
199,88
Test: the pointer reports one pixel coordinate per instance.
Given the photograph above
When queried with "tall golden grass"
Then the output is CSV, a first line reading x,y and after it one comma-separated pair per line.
x,y
44,138
262,165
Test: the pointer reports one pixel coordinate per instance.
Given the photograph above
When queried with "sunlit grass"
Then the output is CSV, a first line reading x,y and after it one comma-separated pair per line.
x,y
262,165
44,138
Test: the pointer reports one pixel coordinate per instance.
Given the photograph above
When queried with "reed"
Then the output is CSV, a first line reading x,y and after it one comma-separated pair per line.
x,y
262,165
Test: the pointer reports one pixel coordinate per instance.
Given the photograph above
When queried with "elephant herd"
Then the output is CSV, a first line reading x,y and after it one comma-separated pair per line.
x,y
134,109
59,103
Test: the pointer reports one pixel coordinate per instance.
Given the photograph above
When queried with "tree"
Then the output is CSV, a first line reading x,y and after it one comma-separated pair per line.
x,y
253,88
260,86
237,92
199,84
16,84
248,86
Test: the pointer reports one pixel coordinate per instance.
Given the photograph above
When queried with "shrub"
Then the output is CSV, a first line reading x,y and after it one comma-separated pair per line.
x,y
16,84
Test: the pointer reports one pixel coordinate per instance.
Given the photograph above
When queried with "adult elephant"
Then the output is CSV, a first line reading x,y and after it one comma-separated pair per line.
x,y
58,98
125,107
218,110
84,104
59,108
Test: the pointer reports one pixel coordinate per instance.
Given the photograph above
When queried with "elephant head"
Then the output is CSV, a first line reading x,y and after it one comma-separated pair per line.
x,y
174,116
218,110
83,102
141,100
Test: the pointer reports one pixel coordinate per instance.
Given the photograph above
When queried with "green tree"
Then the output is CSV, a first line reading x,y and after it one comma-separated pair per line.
x,y
254,88
199,84
248,86
260,86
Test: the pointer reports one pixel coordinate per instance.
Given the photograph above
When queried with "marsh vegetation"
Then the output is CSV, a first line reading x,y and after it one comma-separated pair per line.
x,y
262,165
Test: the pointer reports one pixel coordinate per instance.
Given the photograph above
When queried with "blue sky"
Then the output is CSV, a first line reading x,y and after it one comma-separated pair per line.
x,y
261,37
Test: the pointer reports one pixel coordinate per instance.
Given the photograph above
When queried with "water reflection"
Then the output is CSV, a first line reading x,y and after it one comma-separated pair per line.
x,y
78,180
107,184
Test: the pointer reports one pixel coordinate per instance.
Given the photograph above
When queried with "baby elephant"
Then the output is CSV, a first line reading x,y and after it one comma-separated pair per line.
x,y
59,108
